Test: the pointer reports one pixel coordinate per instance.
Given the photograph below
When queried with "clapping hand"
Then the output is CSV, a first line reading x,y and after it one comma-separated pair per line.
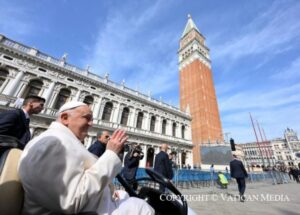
x,y
117,141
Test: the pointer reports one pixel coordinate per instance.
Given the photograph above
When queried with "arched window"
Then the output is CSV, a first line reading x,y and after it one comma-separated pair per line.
x,y
164,125
152,123
125,114
174,129
62,98
88,100
107,111
3,75
182,131
33,88
139,122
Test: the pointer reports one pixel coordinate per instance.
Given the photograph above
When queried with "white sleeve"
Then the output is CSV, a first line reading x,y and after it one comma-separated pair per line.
x,y
89,185
63,179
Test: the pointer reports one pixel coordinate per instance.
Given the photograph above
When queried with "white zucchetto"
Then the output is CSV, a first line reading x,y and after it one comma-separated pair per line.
x,y
70,105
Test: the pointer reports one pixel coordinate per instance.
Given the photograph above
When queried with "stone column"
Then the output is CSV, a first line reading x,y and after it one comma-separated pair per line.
x,y
72,95
20,90
146,122
48,93
158,124
115,114
101,109
132,119
54,95
5,83
179,159
77,96
52,99
96,110
11,88
178,130
23,84
188,133
169,127
188,158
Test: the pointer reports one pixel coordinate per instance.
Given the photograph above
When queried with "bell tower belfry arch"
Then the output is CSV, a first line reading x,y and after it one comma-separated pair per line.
x,y
197,92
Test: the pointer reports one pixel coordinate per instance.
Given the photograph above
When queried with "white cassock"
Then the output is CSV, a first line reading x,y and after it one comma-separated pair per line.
x,y
60,176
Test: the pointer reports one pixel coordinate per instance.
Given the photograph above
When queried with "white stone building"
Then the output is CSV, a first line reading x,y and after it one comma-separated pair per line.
x,y
286,149
258,154
277,151
293,144
292,140
283,154
27,71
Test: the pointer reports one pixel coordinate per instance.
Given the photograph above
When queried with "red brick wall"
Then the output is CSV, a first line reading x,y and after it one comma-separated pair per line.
x,y
197,91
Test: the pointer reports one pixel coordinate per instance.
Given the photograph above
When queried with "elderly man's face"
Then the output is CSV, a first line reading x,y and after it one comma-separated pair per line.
x,y
79,121
104,138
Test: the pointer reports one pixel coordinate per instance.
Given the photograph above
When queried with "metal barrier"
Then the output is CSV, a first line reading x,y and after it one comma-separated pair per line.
x,y
195,178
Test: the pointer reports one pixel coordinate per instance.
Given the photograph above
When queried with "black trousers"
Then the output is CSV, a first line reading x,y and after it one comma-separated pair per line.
x,y
241,185
133,183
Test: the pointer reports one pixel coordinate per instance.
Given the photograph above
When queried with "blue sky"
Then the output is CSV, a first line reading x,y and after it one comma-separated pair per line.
x,y
254,48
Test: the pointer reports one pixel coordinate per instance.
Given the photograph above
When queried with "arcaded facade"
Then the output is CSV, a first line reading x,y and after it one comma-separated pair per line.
x,y
27,71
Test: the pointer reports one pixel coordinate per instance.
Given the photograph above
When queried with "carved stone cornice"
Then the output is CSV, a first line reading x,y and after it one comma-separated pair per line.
x,y
26,64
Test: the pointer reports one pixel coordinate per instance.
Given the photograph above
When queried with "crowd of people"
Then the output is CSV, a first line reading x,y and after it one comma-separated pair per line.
x,y
294,174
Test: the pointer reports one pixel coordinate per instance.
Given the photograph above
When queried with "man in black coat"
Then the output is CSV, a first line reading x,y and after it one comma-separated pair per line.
x,y
99,146
15,123
238,171
162,164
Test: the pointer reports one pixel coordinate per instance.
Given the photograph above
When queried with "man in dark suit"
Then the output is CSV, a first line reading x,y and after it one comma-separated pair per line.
x,y
15,123
99,146
162,164
238,171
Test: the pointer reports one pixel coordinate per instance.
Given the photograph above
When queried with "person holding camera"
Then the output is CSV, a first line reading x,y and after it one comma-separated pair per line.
x,y
131,165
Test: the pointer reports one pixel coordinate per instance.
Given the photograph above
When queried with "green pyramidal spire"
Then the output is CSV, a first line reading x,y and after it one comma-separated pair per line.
x,y
189,26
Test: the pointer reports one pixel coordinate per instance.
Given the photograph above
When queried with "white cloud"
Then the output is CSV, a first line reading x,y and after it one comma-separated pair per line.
x,y
275,110
128,49
261,99
291,72
273,121
274,103
268,33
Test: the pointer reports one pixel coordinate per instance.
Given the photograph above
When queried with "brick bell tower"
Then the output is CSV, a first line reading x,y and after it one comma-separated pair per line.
x,y
197,92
